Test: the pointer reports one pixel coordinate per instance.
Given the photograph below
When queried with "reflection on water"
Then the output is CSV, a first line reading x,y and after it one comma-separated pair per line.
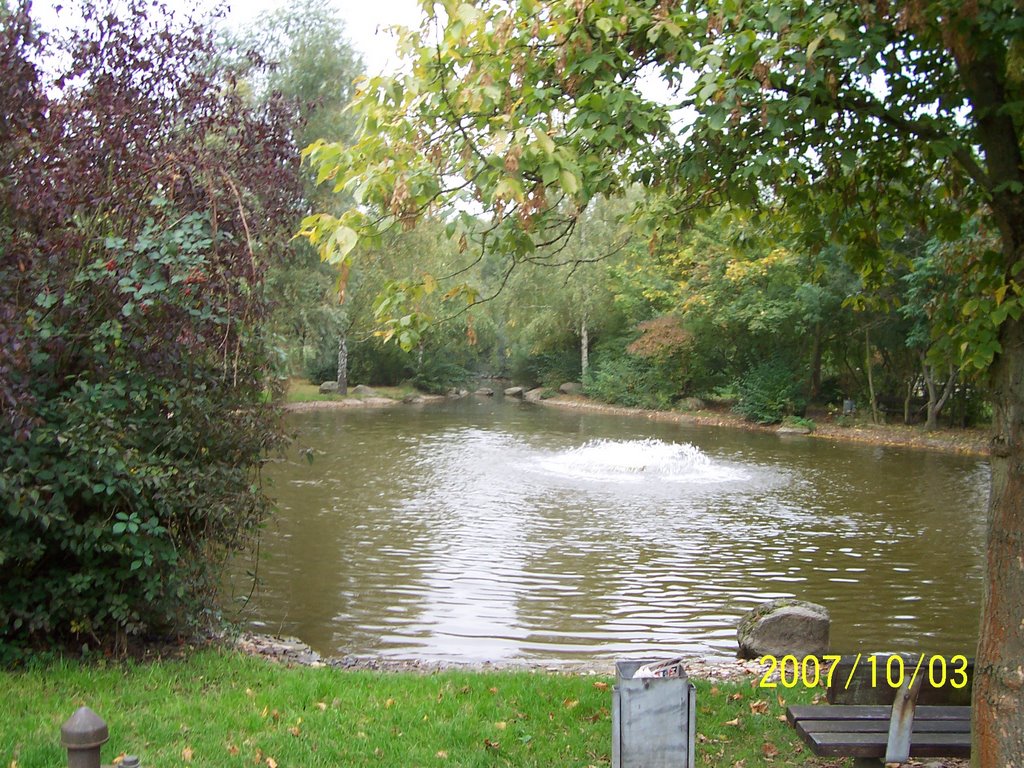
x,y
484,530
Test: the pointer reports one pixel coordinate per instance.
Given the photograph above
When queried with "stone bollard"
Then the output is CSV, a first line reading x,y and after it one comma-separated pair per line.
x,y
82,735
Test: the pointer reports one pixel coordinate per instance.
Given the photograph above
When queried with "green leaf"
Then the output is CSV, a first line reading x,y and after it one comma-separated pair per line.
x,y
570,183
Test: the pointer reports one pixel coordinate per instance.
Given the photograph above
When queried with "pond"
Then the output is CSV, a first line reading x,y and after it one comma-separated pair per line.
x,y
489,530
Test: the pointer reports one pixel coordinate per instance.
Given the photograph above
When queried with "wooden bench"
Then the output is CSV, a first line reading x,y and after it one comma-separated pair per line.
x,y
869,720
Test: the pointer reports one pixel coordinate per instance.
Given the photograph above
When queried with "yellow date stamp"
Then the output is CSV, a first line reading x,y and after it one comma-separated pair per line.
x,y
883,671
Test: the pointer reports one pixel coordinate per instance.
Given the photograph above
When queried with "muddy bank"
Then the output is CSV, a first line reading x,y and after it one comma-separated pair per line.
x,y
971,442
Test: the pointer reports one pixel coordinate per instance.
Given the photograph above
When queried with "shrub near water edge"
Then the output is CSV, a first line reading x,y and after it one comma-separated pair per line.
x,y
138,213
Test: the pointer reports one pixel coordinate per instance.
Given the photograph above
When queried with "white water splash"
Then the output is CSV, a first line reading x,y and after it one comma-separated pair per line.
x,y
636,461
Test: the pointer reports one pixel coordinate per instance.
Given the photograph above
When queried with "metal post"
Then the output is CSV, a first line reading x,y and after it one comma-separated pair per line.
x,y
130,761
82,735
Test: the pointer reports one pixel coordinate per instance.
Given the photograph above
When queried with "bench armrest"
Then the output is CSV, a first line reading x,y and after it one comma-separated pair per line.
x,y
901,722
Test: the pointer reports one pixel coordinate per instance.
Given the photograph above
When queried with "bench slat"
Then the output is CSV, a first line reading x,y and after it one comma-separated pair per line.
x,y
871,712
880,726
873,745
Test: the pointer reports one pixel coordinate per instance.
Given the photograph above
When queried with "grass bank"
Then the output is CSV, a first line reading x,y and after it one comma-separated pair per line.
x,y
220,708
300,391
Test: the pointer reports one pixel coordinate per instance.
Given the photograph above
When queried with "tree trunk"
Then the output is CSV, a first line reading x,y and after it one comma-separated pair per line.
x,y
998,711
584,348
815,388
998,733
871,380
343,365
936,402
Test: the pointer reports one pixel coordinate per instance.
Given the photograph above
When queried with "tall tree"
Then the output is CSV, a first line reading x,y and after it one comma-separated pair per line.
x,y
853,114
300,56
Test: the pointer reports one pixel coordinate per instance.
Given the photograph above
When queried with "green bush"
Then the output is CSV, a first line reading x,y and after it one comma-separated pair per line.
x,y
632,381
549,369
438,375
768,393
134,372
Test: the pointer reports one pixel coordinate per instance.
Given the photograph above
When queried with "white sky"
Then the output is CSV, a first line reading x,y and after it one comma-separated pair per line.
x,y
366,21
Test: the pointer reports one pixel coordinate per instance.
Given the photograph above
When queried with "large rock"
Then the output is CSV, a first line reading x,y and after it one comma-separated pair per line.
x,y
485,392
692,404
785,626
329,388
364,390
571,388
514,392
535,394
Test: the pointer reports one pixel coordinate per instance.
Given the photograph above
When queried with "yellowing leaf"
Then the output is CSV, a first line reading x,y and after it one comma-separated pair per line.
x,y
546,143
758,707
601,686
232,750
186,754
570,183
501,726
271,762
769,750
322,706
389,704
570,703
441,755
732,722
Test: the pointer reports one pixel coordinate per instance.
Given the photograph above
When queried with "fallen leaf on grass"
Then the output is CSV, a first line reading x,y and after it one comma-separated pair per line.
x,y
271,762
186,754
769,750
258,757
782,718
501,726
116,761
389,704
493,690
570,703
732,722
758,707
295,731
441,755
322,706
250,693
736,696
782,701
601,686
488,744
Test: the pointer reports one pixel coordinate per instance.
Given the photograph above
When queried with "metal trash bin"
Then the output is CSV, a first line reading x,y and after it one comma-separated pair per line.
x,y
654,719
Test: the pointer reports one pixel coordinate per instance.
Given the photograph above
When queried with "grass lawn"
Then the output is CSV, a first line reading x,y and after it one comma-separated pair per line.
x,y
301,391
219,708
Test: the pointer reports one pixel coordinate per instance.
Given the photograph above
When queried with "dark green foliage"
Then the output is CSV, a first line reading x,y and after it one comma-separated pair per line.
x,y
131,290
768,393
549,369
631,380
370,361
438,375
